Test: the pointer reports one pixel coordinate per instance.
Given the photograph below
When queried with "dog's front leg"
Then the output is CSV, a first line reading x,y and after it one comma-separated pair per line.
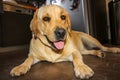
x,y
81,70
23,68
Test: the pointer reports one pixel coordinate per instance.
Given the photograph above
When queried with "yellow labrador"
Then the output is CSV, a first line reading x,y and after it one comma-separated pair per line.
x,y
54,41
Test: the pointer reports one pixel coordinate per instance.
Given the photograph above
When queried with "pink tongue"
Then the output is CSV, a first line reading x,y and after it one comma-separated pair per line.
x,y
59,45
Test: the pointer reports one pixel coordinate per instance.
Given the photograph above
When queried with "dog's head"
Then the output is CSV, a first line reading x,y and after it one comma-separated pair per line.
x,y
52,22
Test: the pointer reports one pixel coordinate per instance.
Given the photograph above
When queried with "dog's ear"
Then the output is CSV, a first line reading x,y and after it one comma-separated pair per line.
x,y
34,23
69,22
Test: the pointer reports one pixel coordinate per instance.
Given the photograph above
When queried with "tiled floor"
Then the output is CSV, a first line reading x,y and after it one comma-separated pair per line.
x,y
107,68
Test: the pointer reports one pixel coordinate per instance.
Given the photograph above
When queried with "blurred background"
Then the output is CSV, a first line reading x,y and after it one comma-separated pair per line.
x,y
97,18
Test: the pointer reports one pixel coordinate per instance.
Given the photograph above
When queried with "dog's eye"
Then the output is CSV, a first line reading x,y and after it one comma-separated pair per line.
x,y
63,17
46,19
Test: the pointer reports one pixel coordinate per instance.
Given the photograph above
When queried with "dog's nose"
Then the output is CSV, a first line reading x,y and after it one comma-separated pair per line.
x,y
60,33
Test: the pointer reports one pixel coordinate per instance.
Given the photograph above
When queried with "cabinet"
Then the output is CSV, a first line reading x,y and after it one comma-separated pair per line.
x,y
14,26
15,29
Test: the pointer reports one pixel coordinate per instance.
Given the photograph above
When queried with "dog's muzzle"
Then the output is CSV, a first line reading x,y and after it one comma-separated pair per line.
x,y
60,34
59,43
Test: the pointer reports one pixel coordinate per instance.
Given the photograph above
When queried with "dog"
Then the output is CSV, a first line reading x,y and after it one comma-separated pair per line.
x,y
54,41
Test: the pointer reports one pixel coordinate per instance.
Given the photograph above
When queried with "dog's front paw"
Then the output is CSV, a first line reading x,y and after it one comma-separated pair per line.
x,y
19,70
83,72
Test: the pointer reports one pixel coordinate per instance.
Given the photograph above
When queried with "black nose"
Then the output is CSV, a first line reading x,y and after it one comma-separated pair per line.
x,y
60,33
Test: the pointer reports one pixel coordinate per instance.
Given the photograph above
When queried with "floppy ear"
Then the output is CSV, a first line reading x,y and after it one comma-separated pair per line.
x,y
34,23
69,23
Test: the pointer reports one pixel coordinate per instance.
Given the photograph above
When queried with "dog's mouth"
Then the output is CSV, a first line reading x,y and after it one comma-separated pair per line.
x,y
59,45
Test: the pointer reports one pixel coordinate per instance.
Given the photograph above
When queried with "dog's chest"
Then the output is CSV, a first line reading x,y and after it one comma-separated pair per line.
x,y
57,57
52,56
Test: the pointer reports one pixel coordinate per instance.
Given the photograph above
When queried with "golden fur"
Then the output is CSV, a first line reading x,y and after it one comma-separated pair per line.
x,y
43,25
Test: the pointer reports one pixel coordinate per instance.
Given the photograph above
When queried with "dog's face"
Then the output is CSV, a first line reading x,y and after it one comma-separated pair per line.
x,y
52,22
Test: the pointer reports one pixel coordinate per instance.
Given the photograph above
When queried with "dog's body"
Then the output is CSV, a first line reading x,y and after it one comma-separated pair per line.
x,y
54,41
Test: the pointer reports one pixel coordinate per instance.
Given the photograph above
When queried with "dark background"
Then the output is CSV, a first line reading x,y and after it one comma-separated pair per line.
x,y
90,17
